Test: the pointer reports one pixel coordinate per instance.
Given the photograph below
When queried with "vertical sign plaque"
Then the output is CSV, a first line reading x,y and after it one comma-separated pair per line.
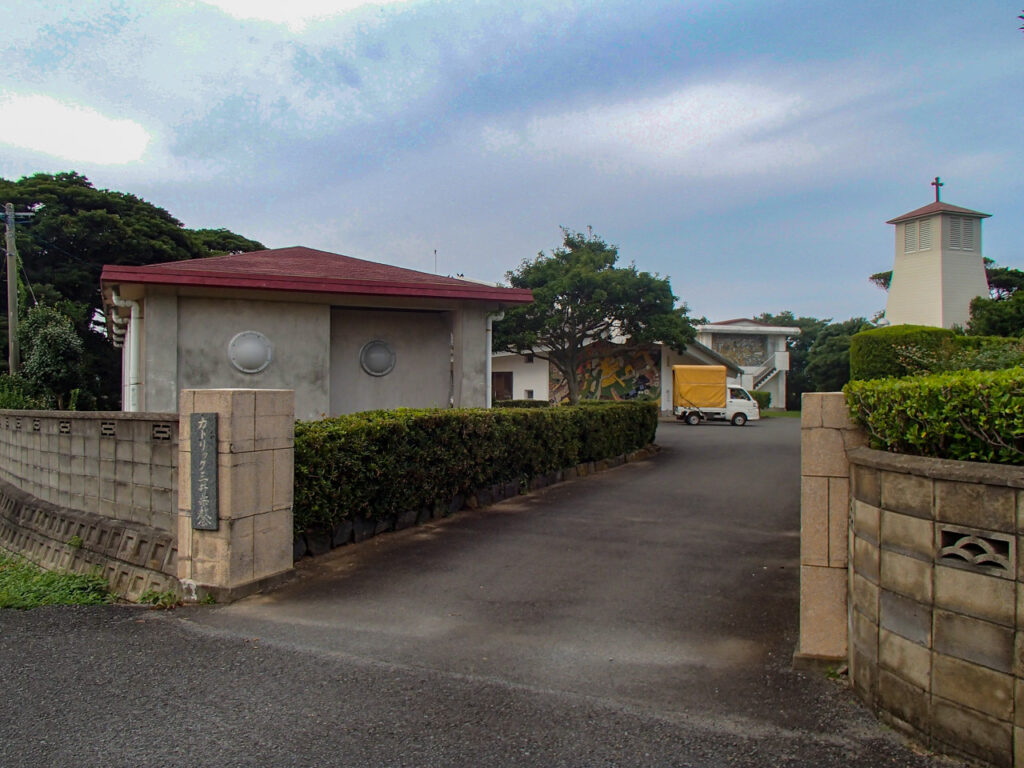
x,y
204,471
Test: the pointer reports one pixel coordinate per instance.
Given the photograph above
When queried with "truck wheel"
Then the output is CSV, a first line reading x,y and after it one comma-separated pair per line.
x,y
693,419
739,420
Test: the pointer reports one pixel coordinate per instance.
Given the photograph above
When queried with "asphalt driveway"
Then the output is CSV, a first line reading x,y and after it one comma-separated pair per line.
x,y
645,616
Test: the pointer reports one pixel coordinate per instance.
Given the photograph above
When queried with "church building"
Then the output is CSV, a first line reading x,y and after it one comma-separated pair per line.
x,y
938,268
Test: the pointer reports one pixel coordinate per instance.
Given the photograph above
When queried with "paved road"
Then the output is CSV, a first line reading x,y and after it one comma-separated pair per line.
x,y
642,617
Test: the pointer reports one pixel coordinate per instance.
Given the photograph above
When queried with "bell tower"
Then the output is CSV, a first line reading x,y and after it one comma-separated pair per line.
x,y
938,267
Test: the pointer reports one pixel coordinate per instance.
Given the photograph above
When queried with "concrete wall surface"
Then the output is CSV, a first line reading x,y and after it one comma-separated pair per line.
x,y
118,465
113,491
92,490
298,332
911,570
421,343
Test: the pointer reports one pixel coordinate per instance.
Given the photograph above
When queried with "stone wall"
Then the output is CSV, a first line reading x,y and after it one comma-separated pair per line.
x,y
133,557
826,434
922,593
118,465
87,491
936,639
251,545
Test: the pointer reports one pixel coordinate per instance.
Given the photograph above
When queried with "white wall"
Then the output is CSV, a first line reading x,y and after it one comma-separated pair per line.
x,y
525,375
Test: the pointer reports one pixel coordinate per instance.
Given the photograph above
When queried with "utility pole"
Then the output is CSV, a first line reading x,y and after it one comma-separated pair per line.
x,y
13,353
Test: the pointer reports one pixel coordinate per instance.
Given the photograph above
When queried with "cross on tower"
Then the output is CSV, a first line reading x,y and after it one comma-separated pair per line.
x,y
937,183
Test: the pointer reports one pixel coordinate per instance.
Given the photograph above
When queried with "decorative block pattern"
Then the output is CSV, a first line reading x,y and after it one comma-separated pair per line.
x,y
91,461
132,556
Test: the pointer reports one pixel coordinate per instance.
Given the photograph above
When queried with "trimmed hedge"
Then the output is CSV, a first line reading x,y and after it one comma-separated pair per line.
x,y
380,463
966,415
520,404
873,353
904,350
764,399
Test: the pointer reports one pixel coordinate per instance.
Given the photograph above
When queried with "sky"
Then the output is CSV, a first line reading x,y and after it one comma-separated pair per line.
x,y
752,152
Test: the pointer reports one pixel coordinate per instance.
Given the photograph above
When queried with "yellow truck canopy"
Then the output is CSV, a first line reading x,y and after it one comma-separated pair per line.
x,y
701,386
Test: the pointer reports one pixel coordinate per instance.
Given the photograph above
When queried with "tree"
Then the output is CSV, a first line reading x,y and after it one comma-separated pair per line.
x,y
580,297
74,231
221,241
799,348
54,355
828,366
997,317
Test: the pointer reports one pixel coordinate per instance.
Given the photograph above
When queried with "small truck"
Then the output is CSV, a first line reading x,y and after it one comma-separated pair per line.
x,y
702,392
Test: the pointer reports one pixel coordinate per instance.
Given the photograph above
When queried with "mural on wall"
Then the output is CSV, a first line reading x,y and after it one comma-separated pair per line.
x,y
741,348
612,372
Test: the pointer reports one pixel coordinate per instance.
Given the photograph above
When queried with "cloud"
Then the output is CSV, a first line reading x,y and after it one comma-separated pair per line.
x,y
68,131
295,14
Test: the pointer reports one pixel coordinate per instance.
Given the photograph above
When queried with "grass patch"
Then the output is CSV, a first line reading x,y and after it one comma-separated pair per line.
x,y
24,585
780,414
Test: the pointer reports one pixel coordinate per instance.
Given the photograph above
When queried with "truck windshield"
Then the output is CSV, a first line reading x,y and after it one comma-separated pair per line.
x,y
738,394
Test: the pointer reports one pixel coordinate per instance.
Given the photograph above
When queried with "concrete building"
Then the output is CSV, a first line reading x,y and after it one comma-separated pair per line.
x,y
938,267
758,348
346,334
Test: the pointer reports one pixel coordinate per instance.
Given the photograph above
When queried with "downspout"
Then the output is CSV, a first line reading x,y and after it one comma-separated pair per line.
x,y
134,349
490,351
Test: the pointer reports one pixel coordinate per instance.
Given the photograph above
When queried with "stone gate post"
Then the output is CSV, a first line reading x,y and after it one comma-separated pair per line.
x,y
236,475
826,434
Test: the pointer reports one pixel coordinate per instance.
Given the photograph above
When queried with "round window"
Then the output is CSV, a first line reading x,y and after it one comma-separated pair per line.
x,y
377,358
250,351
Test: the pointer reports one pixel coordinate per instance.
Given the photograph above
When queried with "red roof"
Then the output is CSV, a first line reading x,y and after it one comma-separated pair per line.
x,y
743,321
307,270
938,207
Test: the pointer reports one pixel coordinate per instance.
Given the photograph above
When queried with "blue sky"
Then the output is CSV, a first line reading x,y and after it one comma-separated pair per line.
x,y
750,151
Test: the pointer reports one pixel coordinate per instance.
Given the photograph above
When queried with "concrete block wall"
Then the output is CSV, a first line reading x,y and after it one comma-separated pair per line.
x,y
937,601
118,465
826,435
253,543
134,558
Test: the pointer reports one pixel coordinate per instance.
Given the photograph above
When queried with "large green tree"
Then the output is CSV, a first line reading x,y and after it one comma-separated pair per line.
x,y
828,359
75,229
581,296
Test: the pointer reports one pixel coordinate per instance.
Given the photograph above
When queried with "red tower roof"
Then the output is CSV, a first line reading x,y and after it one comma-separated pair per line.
x,y
938,207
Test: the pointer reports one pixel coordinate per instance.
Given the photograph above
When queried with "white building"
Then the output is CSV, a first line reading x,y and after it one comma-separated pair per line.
x,y
938,266
758,348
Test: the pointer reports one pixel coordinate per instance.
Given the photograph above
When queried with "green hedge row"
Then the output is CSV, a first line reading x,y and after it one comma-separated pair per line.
x,y
903,350
966,415
764,399
873,354
381,463
520,404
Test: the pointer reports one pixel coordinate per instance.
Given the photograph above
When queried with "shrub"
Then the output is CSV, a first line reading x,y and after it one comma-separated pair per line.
x,y
873,353
521,404
764,399
376,464
972,353
966,415
15,393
